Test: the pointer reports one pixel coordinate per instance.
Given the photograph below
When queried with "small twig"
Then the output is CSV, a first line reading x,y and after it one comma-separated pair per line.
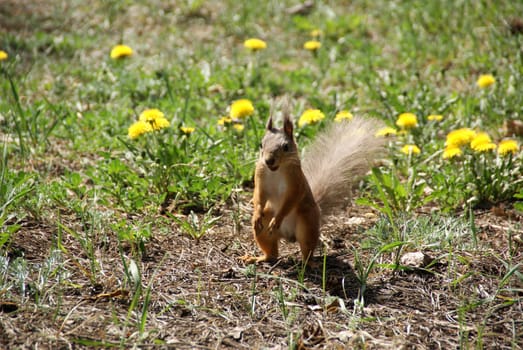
x,y
274,266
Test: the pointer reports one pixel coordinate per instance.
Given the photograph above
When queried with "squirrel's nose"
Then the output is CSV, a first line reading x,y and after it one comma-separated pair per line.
x,y
269,161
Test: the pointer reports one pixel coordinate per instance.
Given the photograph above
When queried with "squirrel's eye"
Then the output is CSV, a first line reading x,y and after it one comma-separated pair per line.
x,y
286,148
261,145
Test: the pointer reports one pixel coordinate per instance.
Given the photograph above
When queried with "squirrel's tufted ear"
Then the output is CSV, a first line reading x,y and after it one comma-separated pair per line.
x,y
287,124
269,123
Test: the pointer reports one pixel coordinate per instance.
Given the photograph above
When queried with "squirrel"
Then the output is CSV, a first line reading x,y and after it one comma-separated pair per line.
x,y
291,196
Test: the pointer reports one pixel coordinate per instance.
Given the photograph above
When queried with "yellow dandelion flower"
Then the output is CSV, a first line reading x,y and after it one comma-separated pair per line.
x,y
187,130
460,137
410,149
3,55
139,128
151,114
407,121
435,117
155,117
160,123
311,116
312,45
343,115
387,131
121,51
485,80
315,33
241,109
255,44
485,147
238,127
451,151
479,140
508,146
224,121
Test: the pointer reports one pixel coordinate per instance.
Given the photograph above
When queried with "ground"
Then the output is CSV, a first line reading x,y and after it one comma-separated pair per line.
x,y
202,296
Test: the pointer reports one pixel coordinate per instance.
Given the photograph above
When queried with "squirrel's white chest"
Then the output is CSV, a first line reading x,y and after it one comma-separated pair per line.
x,y
274,186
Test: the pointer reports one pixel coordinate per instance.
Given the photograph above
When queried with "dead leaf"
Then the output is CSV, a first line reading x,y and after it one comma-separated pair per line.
x,y
513,128
415,259
236,333
301,9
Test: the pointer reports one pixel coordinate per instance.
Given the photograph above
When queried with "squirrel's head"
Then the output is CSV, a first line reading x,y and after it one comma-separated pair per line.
x,y
278,146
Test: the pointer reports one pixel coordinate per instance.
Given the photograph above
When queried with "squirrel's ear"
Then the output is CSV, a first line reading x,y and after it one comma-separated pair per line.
x,y
269,123
287,124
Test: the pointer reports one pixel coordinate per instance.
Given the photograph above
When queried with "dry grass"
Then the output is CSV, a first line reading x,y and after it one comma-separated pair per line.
x,y
202,297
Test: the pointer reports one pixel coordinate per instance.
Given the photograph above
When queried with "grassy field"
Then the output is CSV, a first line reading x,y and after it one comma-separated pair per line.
x,y
125,185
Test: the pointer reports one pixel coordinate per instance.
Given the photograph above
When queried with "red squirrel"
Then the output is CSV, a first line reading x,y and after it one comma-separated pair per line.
x,y
291,196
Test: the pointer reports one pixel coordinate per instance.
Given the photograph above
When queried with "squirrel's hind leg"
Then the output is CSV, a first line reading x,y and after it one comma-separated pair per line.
x,y
308,236
248,259
268,243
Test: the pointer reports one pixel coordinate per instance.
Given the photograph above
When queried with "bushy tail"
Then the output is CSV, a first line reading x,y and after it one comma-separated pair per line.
x,y
337,157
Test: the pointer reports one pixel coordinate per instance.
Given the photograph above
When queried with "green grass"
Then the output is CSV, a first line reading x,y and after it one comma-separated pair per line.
x,y
84,206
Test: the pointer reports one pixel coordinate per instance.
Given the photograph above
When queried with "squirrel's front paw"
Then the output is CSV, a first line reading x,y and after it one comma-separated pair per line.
x,y
258,224
273,225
